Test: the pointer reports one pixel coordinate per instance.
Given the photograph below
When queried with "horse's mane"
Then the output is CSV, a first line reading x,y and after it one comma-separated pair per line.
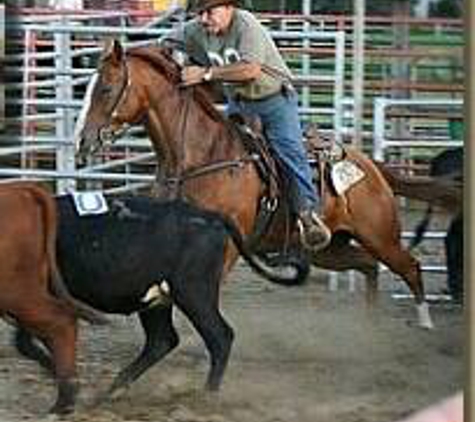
x,y
161,59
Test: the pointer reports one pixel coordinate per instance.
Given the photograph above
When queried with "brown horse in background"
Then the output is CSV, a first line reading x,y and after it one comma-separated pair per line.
x,y
202,158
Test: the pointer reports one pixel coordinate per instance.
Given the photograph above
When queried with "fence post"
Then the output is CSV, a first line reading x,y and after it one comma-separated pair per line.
x,y
358,72
65,122
306,66
339,84
378,128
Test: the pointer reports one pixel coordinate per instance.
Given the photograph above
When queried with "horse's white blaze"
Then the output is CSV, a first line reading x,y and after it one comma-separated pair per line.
x,y
425,321
81,120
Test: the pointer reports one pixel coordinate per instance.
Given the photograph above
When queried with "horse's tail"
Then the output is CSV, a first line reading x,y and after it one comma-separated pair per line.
x,y
403,185
447,194
299,270
421,228
49,215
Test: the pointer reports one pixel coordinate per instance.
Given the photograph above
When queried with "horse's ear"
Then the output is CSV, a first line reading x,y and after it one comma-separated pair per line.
x,y
113,51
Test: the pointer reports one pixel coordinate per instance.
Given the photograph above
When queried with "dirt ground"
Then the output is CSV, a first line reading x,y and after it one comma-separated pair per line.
x,y
300,355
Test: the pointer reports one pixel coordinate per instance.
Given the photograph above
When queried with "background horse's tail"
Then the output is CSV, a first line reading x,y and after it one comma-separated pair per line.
x,y
421,228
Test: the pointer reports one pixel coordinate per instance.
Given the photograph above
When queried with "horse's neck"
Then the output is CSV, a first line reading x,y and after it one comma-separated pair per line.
x,y
184,135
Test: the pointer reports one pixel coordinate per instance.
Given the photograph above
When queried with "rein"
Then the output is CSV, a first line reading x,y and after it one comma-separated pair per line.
x,y
182,150
184,175
207,169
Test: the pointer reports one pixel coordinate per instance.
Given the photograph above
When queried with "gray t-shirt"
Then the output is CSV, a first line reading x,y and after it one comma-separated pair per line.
x,y
246,40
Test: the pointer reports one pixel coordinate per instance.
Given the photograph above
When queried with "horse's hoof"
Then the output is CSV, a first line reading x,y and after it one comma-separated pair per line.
x,y
108,396
425,327
213,386
117,393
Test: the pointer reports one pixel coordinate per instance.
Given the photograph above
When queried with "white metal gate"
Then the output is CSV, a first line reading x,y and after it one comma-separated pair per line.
x,y
56,57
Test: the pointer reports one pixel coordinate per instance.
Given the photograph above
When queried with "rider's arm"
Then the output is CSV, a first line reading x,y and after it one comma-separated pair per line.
x,y
236,72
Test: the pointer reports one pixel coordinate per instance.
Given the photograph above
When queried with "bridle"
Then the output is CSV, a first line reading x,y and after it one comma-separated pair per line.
x,y
107,135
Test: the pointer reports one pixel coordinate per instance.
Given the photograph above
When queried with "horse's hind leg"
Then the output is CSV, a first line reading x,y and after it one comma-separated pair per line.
x,y
198,299
161,338
374,221
341,255
401,262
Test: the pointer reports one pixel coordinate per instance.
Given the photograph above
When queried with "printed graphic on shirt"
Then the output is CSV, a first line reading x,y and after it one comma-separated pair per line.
x,y
230,56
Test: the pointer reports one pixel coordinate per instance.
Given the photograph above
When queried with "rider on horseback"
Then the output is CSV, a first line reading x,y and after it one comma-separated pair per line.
x,y
257,82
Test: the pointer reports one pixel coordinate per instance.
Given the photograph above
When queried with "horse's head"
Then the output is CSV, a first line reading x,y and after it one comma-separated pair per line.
x,y
110,103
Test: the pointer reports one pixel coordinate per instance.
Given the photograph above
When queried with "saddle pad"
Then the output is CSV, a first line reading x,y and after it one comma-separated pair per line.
x,y
345,174
90,203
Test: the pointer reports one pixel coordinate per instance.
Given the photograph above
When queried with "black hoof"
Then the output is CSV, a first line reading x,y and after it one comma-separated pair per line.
x,y
62,410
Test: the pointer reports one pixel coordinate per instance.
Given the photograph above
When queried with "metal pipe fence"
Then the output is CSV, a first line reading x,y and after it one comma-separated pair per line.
x,y
58,55
384,124
55,54
405,138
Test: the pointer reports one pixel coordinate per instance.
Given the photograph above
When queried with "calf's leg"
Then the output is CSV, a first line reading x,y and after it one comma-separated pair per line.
x,y
161,338
198,299
48,319
61,341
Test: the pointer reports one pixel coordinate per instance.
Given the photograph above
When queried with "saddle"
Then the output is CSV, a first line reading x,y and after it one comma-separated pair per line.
x,y
280,190
267,164
324,153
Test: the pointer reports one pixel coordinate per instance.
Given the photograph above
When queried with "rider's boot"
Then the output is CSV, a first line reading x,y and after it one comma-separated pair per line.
x,y
314,233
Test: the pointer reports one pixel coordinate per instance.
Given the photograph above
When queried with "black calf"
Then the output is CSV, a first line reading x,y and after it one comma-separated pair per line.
x,y
146,256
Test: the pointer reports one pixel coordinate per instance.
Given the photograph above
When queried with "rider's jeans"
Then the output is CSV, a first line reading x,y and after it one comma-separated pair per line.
x,y
281,122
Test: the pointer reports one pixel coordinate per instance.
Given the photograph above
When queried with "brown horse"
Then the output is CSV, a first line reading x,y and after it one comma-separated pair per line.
x,y
202,157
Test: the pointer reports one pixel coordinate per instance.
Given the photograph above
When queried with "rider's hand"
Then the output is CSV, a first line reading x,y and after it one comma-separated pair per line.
x,y
192,75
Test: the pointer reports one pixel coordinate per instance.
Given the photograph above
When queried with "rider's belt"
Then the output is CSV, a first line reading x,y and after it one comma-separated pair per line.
x,y
285,91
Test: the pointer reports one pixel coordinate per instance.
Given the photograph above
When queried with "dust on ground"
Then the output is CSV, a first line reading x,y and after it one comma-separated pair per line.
x,y
300,355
